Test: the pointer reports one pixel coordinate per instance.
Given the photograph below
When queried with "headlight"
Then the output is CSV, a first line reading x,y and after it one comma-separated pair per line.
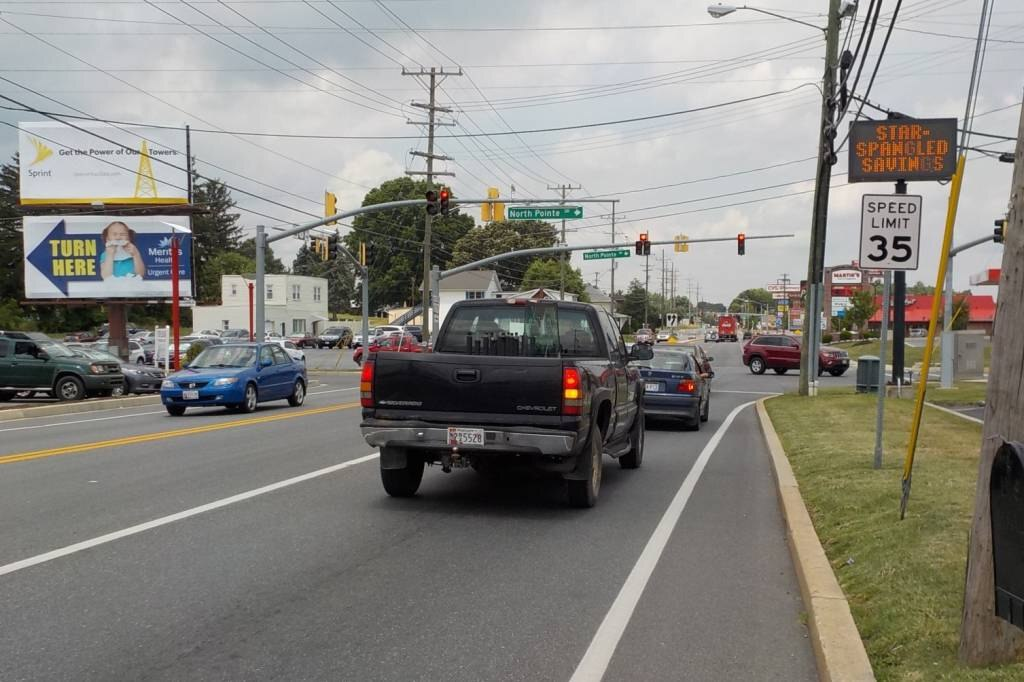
x,y
224,381
167,383
97,369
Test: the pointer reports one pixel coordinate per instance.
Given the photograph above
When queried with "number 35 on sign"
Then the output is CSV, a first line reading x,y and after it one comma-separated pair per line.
x,y
890,231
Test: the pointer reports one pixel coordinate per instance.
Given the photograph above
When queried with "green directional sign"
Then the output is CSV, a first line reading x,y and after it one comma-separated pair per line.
x,y
601,255
545,212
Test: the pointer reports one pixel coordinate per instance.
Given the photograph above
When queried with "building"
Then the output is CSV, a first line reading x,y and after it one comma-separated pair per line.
x,y
540,294
463,286
293,304
981,312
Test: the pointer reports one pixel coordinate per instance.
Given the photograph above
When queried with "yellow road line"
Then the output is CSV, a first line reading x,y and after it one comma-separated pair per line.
x,y
148,437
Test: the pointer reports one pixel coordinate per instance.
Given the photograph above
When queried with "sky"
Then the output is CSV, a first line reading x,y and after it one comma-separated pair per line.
x,y
334,68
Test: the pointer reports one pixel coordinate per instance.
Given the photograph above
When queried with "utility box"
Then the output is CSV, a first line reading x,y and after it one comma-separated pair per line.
x,y
867,374
1006,492
969,355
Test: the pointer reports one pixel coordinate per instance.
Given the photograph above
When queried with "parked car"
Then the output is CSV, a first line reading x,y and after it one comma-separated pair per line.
x,y
416,330
918,331
333,337
544,384
236,376
136,353
30,361
143,337
137,379
645,335
304,340
357,340
80,337
675,385
207,333
392,343
781,353
234,335
291,349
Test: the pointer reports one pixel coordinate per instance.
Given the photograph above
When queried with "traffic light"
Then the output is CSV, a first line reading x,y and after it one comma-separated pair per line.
x,y
432,206
643,245
330,206
999,234
741,244
332,246
681,246
492,212
443,197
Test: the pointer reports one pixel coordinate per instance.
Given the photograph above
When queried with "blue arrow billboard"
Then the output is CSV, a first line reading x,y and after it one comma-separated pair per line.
x,y
105,257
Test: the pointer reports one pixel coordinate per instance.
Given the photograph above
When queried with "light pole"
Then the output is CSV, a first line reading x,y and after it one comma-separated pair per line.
x,y
837,9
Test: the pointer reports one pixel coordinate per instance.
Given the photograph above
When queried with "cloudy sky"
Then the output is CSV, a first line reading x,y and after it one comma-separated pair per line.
x,y
334,68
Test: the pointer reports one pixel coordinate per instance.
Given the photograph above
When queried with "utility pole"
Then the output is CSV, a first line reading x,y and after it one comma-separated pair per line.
x,y
436,76
819,217
984,638
563,188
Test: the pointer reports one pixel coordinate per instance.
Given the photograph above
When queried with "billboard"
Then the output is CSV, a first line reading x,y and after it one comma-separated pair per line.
x,y
902,149
105,257
97,162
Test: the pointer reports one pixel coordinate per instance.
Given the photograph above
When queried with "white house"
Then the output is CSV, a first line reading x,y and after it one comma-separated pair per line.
x,y
293,304
459,287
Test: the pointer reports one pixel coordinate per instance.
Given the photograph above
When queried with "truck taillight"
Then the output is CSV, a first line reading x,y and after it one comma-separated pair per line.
x,y
366,384
687,386
571,396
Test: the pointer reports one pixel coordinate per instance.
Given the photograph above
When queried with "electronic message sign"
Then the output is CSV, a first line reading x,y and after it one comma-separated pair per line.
x,y
902,149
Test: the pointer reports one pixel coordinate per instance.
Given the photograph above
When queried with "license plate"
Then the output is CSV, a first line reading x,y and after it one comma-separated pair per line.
x,y
461,436
652,388
190,395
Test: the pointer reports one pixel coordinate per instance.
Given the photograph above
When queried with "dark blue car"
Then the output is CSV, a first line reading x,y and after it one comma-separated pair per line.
x,y
675,386
236,376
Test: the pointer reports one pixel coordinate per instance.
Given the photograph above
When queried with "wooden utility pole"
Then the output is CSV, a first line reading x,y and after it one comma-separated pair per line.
x,y
984,638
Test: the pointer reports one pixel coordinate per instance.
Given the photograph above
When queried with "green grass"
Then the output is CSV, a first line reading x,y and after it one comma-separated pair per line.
x,y
904,579
962,393
911,354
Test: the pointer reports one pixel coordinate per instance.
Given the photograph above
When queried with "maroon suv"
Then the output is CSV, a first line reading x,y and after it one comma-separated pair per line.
x,y
781,353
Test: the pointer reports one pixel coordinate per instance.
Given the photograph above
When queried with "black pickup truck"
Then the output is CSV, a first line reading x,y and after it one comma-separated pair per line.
x,y
509,382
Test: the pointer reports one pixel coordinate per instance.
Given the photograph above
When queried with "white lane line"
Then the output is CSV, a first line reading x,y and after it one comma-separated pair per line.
x,y
164,520
599,654
715,390
133,414
955,413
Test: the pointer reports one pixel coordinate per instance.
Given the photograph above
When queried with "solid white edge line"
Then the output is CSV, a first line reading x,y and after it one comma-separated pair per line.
x,y
164,520
594,663
955,413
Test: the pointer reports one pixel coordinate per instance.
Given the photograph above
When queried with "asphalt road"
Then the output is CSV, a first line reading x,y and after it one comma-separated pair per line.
x,y
221,546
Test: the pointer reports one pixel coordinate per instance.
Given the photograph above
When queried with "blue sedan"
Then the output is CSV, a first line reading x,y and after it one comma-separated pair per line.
x,y
236,376
674,386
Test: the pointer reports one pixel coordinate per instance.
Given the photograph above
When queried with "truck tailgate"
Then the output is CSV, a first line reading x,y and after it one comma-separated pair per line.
x,y
446,382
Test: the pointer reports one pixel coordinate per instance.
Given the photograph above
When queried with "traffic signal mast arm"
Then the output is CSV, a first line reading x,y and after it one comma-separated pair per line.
x,y
590,247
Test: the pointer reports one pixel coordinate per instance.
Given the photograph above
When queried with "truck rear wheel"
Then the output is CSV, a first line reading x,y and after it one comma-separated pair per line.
x,y
635,456
583,494
403,482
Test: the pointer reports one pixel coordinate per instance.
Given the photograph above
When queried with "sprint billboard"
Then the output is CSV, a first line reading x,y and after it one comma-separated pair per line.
x,y
105,257
97,162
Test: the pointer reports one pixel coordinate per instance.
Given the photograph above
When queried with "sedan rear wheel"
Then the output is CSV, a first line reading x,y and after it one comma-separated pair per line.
x,y
298,395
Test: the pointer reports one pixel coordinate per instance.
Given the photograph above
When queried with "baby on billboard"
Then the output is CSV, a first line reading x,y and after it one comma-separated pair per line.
x,y
120,258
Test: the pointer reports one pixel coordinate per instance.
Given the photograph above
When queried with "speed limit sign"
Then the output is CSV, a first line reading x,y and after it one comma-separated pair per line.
x,y
890,231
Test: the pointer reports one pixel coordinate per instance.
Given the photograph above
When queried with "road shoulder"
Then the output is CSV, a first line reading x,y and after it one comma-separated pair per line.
x,y
837,643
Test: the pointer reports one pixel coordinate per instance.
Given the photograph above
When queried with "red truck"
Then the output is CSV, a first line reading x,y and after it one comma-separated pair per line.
x,y
727,328
395,342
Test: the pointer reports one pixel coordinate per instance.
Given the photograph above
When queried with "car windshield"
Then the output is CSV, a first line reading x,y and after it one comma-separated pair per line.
x,y
673,361
224,356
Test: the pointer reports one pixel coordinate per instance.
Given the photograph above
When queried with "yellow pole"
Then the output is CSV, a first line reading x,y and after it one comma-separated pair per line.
x,y
922,383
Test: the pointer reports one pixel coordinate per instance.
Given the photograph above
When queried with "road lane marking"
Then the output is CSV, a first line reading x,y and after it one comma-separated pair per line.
x,y
134,414
599,654
164,520
955,413
160,435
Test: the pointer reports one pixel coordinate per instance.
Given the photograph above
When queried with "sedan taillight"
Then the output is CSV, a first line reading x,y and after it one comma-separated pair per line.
x,y
687,386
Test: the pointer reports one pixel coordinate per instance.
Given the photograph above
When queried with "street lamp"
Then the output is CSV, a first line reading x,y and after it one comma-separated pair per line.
x,y
837,9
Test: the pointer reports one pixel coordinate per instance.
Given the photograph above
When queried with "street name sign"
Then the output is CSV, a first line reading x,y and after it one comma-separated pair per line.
x,y
902,149
890,231
780,288
601,255
545,212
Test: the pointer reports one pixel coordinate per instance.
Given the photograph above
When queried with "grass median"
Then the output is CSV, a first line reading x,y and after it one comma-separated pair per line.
x,y
904,579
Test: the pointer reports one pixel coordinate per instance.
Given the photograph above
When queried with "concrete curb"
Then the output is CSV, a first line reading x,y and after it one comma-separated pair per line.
x,y
100,405
837,644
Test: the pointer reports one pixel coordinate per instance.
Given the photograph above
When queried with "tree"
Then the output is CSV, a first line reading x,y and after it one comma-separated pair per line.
x,y
12,285
547,274
225,263
961,312
919,288
340,274
708,307
500,237
394,241
862,307
761,297
272,265
633,304
213,233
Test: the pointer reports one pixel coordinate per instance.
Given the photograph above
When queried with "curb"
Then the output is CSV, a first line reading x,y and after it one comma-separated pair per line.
x,y
58,409
837,644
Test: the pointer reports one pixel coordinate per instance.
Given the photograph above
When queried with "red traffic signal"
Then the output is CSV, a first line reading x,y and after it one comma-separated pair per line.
x,y
443,198
741,244
643,245
432,206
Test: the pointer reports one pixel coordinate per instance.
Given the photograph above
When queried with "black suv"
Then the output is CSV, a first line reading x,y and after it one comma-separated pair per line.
x,y
30,361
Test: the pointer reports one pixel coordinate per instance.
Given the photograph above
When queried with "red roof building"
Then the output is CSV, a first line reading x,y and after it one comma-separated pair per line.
x,y
981,315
